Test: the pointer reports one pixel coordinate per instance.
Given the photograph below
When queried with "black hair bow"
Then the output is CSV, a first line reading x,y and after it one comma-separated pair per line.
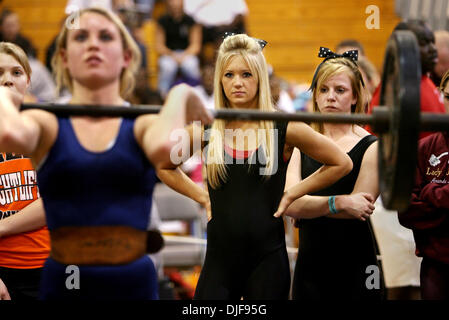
x,y
328,54
262,43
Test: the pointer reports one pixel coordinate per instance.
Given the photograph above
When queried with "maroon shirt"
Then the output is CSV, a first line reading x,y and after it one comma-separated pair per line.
x,y
428,214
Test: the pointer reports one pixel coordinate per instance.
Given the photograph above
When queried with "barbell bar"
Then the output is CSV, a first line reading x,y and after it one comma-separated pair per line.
x,y
397,121
379,120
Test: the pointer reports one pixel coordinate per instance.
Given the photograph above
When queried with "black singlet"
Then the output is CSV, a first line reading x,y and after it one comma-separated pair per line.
x,y
246,254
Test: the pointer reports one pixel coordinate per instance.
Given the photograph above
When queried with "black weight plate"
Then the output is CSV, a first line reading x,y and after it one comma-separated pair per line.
x,y
401,79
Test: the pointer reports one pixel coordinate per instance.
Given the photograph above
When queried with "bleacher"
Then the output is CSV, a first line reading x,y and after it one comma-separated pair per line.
x,y
294,29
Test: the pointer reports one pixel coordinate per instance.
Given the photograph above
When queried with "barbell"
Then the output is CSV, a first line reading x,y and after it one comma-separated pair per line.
x,y
397,121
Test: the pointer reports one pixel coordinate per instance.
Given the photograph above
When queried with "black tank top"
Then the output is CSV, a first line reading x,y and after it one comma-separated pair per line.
x,y
337,235
346,184
243,206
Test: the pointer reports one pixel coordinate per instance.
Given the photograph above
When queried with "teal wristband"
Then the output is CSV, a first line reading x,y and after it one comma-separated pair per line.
x,y
331,203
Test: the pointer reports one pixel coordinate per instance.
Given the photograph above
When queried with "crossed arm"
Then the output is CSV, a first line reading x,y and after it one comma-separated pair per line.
x,y
336,163
30,218
21,132
358,204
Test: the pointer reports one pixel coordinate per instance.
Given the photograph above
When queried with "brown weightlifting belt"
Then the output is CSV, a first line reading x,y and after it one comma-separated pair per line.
x,y
97,245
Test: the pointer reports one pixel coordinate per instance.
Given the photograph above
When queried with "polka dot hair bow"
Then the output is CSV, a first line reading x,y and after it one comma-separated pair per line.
x,y
262,43
328,54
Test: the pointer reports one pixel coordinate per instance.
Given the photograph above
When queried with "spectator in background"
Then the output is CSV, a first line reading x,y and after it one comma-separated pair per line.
x,y
350,44
370,76
42,87
145,8
442,45
178,42
42,84
301,97
51,48
75,5
430,97
205,89
369,73
216,18
10,32
427,215
143,93
112,5
49,54
133,21
281,98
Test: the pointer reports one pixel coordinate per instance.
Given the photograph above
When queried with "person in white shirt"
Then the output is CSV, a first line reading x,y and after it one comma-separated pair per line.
x,y
218,17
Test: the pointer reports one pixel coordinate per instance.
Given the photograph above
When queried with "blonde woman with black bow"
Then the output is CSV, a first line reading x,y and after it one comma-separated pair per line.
x,y
337,250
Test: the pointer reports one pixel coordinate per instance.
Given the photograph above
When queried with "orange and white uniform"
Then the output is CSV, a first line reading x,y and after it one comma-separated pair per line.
x,y
18,188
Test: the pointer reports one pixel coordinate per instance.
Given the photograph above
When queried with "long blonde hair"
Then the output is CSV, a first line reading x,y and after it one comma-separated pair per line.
x,y
250,50
331,68
127,77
